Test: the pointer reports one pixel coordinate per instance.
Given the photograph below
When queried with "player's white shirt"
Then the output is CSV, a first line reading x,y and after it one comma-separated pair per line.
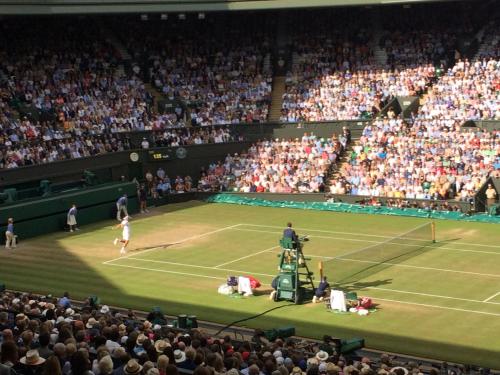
x,y
126,230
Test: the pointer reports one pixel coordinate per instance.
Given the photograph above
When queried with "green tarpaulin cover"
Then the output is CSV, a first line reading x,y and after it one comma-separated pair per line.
x,y
353,208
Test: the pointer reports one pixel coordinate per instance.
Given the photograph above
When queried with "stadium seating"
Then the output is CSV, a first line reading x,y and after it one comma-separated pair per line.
x,y
59,335
276,166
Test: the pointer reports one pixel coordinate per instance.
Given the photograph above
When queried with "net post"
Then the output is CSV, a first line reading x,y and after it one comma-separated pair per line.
x,y
433,231
320,266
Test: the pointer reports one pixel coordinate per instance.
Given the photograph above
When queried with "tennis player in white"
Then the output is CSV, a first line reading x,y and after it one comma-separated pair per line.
x,y
125,235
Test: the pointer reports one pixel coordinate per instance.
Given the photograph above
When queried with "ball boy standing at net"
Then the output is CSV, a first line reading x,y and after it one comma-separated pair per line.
x,y
125,235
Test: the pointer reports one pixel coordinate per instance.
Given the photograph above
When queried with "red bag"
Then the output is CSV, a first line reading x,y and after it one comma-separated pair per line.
x,y
254,283
365,302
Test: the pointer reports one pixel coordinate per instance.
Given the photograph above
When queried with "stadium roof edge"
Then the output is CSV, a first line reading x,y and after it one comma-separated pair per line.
x,y
52,7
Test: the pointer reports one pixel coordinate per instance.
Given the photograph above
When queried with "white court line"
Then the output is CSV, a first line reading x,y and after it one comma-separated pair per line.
x,y
433,295
197,266
380,242
166,271
358,234
375,298
370,288
437,306
246,256
487,300
175,243
420,267
401,265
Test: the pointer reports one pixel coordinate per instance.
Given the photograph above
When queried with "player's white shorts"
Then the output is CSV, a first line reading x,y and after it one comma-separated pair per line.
x,y
126,236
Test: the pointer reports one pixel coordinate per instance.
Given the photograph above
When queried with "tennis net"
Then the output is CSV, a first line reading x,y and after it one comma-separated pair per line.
x,y
356,265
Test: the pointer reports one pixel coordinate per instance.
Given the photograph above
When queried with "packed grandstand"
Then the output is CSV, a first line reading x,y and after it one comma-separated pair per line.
x,y
55,336
96,88
71,96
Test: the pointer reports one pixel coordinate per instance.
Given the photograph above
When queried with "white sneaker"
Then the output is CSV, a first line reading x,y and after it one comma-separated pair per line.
x,y
123,251
115,241
71,230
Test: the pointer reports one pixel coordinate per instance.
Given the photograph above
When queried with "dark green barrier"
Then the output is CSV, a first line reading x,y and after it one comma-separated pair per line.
x,y
49,215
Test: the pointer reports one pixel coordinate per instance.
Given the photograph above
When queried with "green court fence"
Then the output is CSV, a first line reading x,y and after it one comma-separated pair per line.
x,y
353,208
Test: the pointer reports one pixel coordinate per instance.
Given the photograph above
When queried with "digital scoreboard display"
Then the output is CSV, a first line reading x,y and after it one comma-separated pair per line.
x,y
161,154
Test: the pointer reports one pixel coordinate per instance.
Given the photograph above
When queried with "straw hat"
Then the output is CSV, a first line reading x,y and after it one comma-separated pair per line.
x,y
179,355
91,323
161,345
32,358
132,368
322,356
140,339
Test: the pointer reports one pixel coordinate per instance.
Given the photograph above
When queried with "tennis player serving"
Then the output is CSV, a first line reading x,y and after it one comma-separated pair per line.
x,y
125,234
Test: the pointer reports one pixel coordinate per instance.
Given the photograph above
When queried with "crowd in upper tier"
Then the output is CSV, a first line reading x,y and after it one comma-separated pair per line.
x,y
220,83
70,95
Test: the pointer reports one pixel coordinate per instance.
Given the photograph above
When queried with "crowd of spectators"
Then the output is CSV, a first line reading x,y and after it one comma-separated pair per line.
x,y
195,136
420,160
277,166
490,41
221,83
403,203
335,75
329,77
62,97
417,37
50,336
467,91
330,94
431,155
160,184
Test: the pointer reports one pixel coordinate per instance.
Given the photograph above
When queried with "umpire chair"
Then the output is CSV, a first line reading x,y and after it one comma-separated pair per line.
x,y
294,278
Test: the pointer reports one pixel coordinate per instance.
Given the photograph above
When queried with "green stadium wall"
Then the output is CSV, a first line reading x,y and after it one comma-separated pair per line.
x,y
45,215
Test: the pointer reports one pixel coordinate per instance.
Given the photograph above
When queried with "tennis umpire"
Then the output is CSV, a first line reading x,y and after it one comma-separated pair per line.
x,y
290,233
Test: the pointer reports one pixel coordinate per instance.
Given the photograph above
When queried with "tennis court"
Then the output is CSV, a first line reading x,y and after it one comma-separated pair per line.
x,y
440,292
383,265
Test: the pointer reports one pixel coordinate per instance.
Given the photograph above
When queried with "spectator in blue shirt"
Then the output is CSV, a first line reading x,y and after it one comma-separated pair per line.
x,y
65,301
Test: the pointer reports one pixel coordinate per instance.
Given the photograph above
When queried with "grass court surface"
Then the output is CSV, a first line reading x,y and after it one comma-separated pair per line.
x,y
442,303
